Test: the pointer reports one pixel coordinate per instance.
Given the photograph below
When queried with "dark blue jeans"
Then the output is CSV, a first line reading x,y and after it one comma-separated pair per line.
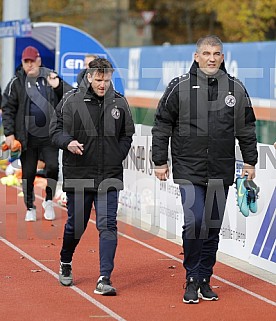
x,y
203,214
79,206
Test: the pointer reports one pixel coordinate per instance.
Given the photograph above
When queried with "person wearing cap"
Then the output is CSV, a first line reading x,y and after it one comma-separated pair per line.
x,y
28,104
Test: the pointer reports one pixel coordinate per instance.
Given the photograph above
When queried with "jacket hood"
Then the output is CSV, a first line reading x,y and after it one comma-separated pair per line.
x,y
82,79
19,72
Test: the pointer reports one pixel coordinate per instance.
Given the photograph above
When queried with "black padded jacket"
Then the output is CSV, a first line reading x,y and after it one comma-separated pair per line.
x,y
104,126
17,99
201,116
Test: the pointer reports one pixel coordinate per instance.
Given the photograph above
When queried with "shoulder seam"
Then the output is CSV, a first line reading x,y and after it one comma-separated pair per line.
x,y
242,87
177,85
68,95
11,82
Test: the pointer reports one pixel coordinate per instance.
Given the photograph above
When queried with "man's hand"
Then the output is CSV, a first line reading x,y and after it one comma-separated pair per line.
x,y
53,80
162,172
75,147
10,141
248,170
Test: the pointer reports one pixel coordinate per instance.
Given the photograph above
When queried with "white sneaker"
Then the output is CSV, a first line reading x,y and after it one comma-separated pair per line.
x,y
49,213
30,215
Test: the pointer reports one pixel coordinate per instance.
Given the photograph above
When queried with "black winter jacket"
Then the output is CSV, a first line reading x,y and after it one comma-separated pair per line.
x,y
203,115
104,126
16,103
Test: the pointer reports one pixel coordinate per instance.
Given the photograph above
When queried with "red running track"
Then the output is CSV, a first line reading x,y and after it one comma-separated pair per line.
x,y
148,276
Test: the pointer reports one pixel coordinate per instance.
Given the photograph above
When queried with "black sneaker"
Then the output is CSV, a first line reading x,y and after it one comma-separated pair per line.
x,y
191,289
104,287
205,292
65,274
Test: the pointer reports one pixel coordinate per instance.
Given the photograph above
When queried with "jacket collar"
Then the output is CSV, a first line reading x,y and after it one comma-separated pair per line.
x,y
89,93
196,71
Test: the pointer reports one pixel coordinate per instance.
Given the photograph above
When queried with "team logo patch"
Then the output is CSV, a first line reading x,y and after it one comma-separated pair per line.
x,y
230,101
115,113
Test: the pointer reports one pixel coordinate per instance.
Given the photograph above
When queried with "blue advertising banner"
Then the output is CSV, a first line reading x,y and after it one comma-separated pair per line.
x,y
74,46
151,68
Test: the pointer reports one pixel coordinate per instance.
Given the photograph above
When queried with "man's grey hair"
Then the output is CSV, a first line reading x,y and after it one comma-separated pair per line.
x,y
210,40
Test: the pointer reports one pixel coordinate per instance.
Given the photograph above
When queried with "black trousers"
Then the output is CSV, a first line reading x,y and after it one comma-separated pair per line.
x,y
29,158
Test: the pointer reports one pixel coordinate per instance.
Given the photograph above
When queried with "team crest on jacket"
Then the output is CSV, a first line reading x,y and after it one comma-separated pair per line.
x,y
230,101
115,113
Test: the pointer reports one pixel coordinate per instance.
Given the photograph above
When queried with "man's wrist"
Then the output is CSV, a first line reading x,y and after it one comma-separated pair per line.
x,y
160,166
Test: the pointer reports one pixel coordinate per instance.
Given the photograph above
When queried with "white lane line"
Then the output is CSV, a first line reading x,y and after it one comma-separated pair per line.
x,y
260,297
55,275
175,259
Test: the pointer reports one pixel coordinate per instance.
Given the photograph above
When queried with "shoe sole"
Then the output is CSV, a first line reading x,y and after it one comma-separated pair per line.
x,y
109,293
49,219
191,301
69,284
253,211
30,220
207,299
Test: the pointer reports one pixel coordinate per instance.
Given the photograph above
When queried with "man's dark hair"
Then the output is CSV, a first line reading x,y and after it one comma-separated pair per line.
x,y
101,65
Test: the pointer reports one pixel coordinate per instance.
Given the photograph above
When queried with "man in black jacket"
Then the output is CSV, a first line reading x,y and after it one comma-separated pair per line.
x,y
202,113
94,128
28,103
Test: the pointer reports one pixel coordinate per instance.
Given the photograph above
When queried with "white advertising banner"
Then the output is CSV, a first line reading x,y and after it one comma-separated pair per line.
x,y
158,204
252,238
